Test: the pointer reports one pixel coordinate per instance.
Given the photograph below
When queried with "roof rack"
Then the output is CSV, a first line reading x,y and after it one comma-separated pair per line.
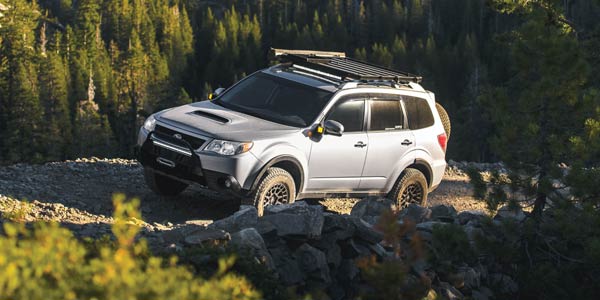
x,y
336,64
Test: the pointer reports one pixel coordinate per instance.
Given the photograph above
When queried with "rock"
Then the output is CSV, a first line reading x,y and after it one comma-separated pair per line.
x,y
506,212
474,216
299,220
471,278
275,209
246,217
332,250
444,213
473,232
267,231
338,227
366,232
194,222
206,235
249,238
428,226
415,213
347,271
447,291
504,283
353,249
290,273
313,262
477,295
172,236
371,207
378,250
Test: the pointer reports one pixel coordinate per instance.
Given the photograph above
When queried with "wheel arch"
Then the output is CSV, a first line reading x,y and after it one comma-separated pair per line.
x,y
286,162
424,167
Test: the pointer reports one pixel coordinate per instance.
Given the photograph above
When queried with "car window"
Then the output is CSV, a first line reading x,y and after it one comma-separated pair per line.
x,y
418,112
350,113
386,114
276,99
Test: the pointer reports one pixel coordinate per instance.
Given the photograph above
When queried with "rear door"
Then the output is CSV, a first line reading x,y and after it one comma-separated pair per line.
x,y
336,162
390,140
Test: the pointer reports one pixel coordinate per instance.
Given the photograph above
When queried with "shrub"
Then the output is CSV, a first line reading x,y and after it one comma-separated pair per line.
x,y
48,262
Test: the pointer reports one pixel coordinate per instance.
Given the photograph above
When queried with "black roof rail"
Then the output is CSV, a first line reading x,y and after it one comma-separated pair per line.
x,y
337,64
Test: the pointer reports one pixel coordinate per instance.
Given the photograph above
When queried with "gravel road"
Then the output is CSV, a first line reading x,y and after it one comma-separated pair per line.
x,y
78,193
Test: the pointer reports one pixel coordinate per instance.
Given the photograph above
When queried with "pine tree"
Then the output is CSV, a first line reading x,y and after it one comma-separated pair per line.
x,y
53,82
540,109
20,111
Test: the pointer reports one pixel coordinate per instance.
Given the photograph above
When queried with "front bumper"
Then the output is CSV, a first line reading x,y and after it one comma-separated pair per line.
x,y
177,159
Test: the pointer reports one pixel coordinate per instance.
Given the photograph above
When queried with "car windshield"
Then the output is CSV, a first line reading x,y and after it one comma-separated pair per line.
x,y
276,99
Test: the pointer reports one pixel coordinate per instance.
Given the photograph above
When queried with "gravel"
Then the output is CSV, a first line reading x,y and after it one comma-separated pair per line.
x,y
78,194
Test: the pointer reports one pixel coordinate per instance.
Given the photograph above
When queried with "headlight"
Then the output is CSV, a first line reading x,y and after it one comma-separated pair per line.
x,y
227,147
150,123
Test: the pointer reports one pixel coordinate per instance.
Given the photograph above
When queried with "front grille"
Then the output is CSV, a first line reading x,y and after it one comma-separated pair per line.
x,y
193,141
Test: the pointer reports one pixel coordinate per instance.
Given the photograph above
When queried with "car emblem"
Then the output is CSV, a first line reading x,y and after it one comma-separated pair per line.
x,y
178,136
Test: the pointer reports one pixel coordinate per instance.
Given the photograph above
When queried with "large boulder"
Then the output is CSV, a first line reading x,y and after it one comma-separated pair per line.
x,y
415,213
366,232
510,213
313,263
250,239
443,213
370,208
471,217
298,219
338,227
208,235
246,217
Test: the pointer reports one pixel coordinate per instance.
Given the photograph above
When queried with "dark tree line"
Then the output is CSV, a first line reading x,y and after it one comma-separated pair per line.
x,y
77,77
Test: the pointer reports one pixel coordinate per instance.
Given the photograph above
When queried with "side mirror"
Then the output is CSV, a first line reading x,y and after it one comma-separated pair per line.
x,y
334,128
216,93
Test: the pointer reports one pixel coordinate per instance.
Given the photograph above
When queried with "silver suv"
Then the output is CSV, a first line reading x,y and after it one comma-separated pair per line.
x,y
316,125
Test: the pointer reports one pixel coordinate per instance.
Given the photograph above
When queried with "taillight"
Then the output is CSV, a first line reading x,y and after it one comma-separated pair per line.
x,y
442,140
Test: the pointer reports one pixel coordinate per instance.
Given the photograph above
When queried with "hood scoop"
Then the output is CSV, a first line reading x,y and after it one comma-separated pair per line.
x,y
211,116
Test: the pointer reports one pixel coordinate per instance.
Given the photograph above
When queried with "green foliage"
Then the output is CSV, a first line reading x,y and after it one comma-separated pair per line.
x,y
47,262
450,247
206,263
143,56
391,278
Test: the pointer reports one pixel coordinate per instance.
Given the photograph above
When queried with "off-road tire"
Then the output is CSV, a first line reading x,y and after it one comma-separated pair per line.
x,y
445,119
163,185
409,179
274,180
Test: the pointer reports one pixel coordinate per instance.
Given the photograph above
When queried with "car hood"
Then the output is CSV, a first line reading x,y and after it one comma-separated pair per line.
x,y
207,118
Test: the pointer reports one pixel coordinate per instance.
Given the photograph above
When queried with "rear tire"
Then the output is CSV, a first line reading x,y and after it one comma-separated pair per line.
x,y
445,119
411,187
276,187
163,185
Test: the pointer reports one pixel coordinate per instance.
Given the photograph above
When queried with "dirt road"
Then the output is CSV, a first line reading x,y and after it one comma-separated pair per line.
x,y
80,192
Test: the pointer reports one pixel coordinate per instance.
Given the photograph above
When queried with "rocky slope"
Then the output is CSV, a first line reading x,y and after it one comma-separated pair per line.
x,y
78,194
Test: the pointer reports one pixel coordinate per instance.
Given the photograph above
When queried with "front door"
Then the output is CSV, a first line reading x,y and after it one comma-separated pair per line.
x,y
336,162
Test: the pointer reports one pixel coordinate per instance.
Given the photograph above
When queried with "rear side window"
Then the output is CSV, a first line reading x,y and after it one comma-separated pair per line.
x,y
350,113
386,115
418,112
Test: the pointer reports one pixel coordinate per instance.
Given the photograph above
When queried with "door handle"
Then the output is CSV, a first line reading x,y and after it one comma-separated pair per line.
x,y
406,143
360,144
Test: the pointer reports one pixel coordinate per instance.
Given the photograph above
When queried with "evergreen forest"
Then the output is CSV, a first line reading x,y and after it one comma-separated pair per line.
x,y
78,77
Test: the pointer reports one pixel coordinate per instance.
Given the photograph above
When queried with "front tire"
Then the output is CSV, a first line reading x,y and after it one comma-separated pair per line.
x,y
411,187
163,185
276,187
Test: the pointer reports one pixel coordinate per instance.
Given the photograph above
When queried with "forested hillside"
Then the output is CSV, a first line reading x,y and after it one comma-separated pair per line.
x,y
77,77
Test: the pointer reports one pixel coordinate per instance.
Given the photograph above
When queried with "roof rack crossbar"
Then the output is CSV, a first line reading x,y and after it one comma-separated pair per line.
x,y
337,64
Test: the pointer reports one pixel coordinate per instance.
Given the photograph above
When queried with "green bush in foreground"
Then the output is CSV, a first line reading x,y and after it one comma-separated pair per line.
x,y
48,262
